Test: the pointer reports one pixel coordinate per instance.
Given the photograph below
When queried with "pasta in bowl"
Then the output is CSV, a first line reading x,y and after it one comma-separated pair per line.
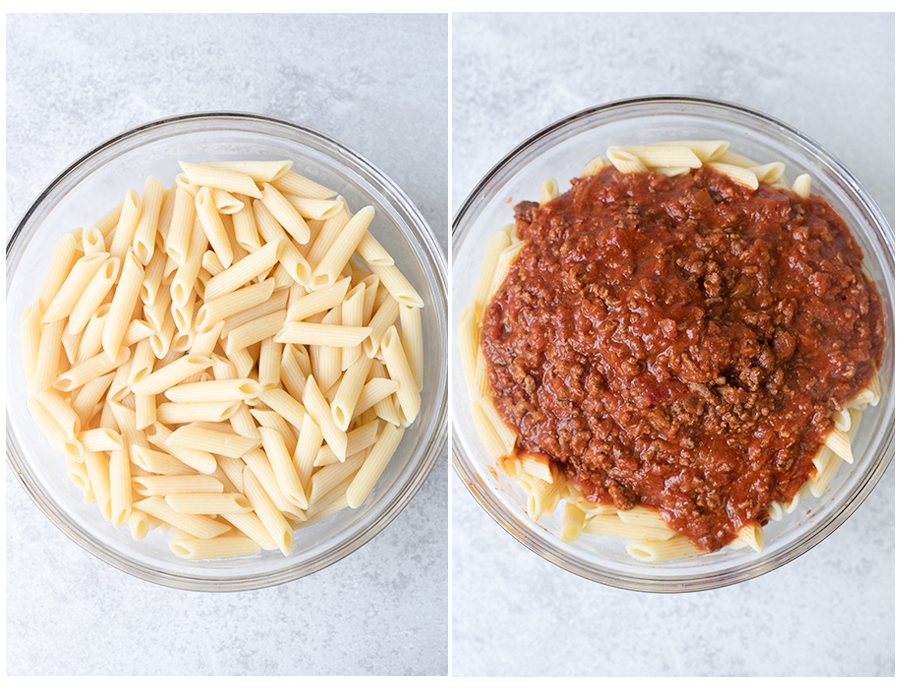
x,y
218,356
622,369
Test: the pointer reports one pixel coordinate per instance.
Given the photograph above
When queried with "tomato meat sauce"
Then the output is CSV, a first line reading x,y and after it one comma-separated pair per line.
x,y
681,343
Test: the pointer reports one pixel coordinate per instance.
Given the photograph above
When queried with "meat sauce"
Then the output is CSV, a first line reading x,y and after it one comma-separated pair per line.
x,y
682,343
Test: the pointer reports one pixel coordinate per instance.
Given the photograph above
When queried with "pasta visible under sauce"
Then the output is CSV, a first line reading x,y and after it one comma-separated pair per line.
x,y
675,340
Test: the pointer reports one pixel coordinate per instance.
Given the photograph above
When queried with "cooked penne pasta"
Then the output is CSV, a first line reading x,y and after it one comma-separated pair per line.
x,y
162,485
373,466
285,213
208,502
192,377
202,439
167,377
144,242
214,548
339,253
334,335
273,520
220,178
198,526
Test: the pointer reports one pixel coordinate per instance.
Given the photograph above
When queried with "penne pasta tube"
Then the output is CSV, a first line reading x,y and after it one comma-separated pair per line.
x,y
386,315
572,523
101,439
337,256
398,367
205,340
214,548
283,467
334,335
203,439
144,241
398,285
198,459
373,466
358,439
739,174
269,366
97,466
204,503
276,303
50,427
185,278
675,548
30,325
318,301
285,405
178,239
158,462
351,385
153,276
250,525
308,443
663,155
212,225
73,287
97,366
255,331
127,225
61,262
161,485
413,346
47,361
109,220
226,203
213,311
94,294
245,270
292,260
268,513
89,395
372,253
285,213
258,171
139,524
119,487
228,180
327,478
182,413
294,183
352,309
246,234
198,526
167,377
375,390
316,209
124,301
320,412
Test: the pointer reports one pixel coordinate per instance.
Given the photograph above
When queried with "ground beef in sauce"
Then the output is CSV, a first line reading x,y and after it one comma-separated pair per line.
x,y
681,343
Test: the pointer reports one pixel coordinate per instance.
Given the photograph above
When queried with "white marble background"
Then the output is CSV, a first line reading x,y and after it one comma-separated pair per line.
x,y
379,85
830,612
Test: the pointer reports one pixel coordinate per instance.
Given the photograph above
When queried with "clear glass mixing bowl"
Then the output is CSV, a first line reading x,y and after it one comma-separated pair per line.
x,y
561,150
95,183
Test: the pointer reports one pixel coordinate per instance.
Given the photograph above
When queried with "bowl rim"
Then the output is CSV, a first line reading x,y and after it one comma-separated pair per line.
x,y
431,448
884,447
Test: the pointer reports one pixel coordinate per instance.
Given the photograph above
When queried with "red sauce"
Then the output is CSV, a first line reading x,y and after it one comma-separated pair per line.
x,y
682,343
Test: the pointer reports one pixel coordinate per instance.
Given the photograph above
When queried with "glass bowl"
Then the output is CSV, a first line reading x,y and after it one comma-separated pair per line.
x,y
95,183
562,150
